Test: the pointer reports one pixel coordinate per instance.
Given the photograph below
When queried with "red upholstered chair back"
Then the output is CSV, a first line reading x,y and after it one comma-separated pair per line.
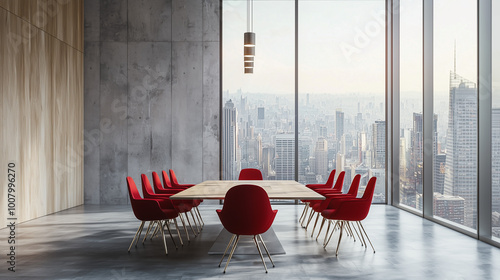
x,y
340,181
353,189
144,210
250,174
166,180
132,189
247,210
157,183
147,190
356,209
173,178
329,182
370,189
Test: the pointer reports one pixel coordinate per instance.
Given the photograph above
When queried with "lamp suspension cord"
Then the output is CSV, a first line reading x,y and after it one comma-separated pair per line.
x,y
250,15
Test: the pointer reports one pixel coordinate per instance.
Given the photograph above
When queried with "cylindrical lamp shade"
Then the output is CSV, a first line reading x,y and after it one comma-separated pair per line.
x,y
249,51
248,64
248,70
249,39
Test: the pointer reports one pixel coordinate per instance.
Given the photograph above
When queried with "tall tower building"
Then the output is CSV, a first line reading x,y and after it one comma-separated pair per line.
x,y
321,156
261,117
417,151
378,144
285,157
230,141
339,124
460,177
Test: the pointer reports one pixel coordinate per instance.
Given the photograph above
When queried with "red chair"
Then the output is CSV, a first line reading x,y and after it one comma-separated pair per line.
x,y
337,189
250,174
174,181
149,210
240,216
332,192
168,185
182,206
328,184
332,199
351,210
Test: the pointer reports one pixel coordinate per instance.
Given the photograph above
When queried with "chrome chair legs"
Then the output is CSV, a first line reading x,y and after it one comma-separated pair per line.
x,y
234,242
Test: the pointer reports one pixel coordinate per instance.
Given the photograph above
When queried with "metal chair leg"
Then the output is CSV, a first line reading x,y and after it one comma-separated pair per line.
x,y
310,218
359,222
139,237
184,225
315,223
194,221
267,251
232,251
320,228
340,237
135,236
200,217
326,234
227,247
178,232
170,233
260,253
303,212
189,223
163,236
305,216
147,232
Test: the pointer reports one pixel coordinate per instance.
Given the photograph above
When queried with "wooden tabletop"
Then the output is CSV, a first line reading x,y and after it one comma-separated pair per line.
x,y
275,190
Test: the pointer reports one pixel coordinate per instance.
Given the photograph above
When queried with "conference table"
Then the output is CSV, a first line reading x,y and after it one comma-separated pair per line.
x,y
276,189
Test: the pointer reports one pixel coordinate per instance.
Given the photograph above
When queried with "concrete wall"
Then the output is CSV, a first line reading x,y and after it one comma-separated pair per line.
x,y
152,93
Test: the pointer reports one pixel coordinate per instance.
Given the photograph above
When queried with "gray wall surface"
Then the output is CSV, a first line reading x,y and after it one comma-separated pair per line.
x,y
152,93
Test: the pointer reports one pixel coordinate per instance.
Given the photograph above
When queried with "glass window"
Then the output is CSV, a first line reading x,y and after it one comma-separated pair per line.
x,y
455,108
258,123
342,91
411,122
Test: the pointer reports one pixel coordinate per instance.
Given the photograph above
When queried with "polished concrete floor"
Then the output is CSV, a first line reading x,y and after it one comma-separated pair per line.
x,y
90,242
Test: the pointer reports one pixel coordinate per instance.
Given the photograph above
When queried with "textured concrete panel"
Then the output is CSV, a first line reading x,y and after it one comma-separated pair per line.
x,y
187,20
91,22
113,20
113,149
92,131
211,20
161,106
187,110
149,20
211,105
139,129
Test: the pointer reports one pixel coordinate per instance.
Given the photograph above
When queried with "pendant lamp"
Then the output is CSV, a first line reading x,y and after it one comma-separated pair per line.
x,y
249,41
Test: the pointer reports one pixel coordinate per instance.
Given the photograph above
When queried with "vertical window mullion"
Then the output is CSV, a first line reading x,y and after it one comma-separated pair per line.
x,y
484,72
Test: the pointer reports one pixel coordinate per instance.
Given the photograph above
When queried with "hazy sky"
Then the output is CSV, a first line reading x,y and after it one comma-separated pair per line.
x,y
342,48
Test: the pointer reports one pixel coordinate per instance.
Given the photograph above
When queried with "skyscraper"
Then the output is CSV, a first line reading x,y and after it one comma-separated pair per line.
x,y
460,177
321,156
417,151
285,157
449,207
230,141
378,144
261,117
339,124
